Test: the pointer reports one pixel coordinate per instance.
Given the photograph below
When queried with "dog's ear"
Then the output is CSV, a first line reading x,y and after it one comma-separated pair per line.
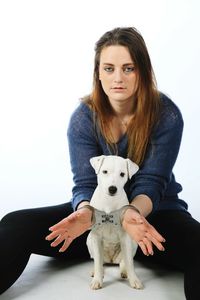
x,y
96,162
132,168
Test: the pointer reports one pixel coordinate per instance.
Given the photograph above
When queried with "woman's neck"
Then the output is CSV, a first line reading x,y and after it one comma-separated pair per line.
x,y
122,116
122,109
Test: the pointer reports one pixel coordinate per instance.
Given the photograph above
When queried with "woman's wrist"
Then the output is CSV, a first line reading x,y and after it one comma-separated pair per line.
x,y
83,203
86,205
129,207
143,203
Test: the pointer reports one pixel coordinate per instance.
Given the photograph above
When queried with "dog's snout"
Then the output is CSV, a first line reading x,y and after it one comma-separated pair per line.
x,y
112,189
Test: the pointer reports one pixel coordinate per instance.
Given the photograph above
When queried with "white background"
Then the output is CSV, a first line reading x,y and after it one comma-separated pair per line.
x,y
46,63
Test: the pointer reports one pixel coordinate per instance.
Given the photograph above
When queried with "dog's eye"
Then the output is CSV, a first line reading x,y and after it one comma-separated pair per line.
x,y
104,171
122,174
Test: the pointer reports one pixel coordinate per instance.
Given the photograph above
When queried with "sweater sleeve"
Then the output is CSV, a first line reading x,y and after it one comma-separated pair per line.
x,y
82,146
156,170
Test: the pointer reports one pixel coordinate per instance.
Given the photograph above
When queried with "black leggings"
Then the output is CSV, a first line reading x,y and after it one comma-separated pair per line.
x,y
23,233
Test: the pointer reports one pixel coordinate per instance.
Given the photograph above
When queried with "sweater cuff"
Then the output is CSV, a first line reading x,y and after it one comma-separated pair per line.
x,y
154,196
76,200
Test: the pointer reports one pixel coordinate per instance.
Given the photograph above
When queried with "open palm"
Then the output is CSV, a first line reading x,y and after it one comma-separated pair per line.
x,y
70,228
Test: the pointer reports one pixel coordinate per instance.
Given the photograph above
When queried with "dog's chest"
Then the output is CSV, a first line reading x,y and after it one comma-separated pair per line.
x,y
109,233
110,237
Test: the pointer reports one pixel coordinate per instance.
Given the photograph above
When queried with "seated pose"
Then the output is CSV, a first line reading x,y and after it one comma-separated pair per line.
x,y
124,115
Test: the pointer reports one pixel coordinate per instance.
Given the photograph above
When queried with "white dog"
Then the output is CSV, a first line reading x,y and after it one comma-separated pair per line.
x,y
107,241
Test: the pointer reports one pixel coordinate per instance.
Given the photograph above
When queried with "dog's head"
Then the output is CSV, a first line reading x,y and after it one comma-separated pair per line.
x,y
113,172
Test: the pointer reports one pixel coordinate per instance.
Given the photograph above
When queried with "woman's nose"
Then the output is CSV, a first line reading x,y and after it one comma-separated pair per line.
x,y
118,76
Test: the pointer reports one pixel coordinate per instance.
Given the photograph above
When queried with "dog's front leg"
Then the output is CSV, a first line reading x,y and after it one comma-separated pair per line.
x,y
97,250
128,249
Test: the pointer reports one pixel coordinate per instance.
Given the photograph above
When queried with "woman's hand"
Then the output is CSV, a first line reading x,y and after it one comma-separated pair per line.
x,y
142,232
70,228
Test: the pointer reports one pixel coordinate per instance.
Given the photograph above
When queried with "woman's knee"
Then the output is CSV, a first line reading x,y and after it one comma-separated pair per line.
x,y
10,217
16,218
42,216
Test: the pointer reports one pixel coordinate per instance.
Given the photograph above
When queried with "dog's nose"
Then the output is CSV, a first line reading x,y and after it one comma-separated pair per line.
x,y
112,189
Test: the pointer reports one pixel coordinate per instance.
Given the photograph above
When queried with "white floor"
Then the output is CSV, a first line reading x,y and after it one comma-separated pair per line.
x,y
46,278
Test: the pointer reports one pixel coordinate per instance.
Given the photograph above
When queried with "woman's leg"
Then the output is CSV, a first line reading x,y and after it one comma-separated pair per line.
x,y
182,234
23,232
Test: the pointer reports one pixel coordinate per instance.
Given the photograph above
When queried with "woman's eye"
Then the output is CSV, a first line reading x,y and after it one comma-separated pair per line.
x,y
104,171
108,69
122,174
129,69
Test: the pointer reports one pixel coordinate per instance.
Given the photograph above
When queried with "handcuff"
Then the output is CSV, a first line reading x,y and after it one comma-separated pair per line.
x,y
114,218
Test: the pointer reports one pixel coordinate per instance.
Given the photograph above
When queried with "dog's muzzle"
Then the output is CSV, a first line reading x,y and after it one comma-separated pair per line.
x,y
112,190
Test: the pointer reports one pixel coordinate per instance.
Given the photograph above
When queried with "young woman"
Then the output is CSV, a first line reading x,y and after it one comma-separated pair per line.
x,y
124,115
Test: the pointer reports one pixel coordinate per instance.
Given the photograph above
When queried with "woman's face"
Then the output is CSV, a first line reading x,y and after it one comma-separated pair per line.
x,y
117,74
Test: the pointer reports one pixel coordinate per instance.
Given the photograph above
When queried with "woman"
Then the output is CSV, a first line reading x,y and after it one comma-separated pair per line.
x,y
127,116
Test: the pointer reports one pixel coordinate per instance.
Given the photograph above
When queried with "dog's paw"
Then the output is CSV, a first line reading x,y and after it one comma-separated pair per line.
x,y
123,274
136,283
95,284
92,273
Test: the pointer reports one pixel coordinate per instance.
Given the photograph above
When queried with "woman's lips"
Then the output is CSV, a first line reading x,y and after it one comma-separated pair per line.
x,y
118,89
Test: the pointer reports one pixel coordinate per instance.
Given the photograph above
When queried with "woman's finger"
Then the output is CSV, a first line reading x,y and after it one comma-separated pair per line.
x,y
55,234
65,222
57,241
155,242
148,245
66,244
60,225
143,247
156,234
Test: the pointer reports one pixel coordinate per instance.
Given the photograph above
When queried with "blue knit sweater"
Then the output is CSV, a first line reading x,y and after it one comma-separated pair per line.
x,y
155,177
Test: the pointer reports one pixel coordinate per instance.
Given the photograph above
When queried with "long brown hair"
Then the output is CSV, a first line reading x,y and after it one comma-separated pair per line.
x,y
147,100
